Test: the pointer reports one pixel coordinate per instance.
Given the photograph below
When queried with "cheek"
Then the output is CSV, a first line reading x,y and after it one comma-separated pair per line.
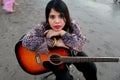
x,y
64,23
50,22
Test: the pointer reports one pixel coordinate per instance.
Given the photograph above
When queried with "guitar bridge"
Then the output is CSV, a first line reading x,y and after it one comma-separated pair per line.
x,y
37,58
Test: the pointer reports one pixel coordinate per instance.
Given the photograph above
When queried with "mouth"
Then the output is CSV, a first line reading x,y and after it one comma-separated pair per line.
x,y
57,26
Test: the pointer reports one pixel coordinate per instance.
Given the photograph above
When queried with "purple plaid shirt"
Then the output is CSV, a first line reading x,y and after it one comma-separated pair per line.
x,y
36,41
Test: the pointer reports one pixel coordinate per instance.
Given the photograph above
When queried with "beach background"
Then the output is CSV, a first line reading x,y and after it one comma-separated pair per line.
x,y
99,21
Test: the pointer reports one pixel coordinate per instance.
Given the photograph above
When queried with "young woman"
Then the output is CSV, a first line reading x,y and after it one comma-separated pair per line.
x,y
60,31
1,2
8,5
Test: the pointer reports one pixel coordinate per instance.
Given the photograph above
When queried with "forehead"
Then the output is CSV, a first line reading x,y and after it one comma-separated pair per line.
x,y
54,12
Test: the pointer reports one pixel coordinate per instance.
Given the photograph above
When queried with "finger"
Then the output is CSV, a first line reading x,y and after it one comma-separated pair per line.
x,y
48,36
45,32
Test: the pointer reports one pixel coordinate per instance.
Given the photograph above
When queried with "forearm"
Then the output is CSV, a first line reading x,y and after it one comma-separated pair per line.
x,y
74,42
37,44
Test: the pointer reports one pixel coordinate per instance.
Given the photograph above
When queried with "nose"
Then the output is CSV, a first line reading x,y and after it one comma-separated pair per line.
x,y
57,20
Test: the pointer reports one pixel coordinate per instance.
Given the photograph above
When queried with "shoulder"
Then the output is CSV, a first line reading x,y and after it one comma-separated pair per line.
x,y
41,25
75,24
37,28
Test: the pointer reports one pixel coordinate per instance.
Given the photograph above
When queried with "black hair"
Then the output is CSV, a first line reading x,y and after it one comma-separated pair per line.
x,y
59,6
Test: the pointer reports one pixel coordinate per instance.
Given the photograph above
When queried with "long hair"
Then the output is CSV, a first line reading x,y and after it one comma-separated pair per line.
x,y
59,6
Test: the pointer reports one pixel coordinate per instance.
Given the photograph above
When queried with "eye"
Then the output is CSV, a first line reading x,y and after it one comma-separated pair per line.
x,y
61,16
52,16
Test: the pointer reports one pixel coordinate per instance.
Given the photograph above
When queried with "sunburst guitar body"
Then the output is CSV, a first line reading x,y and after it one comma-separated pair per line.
x,y
32,62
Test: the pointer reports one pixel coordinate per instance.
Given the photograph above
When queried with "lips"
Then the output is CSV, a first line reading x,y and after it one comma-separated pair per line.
x,y
57,26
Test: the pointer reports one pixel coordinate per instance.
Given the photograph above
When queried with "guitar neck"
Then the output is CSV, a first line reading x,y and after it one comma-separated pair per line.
x,y
89,59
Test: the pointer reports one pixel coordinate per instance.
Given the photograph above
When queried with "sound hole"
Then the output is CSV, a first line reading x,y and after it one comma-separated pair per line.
x,y
55,59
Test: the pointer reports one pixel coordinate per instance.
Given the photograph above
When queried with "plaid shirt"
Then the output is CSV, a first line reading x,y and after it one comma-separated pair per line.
x,y
36,41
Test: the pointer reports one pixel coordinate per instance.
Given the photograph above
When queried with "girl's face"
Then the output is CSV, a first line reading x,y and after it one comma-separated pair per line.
x,y
56,20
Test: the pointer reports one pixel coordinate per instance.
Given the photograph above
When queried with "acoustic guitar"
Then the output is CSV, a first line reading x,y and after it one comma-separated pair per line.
x,y
32,62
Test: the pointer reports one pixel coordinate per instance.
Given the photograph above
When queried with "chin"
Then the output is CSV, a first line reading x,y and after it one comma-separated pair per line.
x,y
57,29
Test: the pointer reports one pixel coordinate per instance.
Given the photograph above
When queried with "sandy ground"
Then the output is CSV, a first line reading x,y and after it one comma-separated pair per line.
x,y
99,20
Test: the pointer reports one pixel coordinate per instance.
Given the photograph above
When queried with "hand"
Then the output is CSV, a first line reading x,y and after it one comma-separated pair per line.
x,y
50,33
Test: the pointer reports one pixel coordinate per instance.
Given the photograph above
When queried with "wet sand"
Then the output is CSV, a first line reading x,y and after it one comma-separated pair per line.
x,y
99,22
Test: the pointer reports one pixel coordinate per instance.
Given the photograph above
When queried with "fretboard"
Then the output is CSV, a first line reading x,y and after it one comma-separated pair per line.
x,y
89,59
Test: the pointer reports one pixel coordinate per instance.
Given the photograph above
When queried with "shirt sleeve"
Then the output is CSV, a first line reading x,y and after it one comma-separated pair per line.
x,y
36,41
74,40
